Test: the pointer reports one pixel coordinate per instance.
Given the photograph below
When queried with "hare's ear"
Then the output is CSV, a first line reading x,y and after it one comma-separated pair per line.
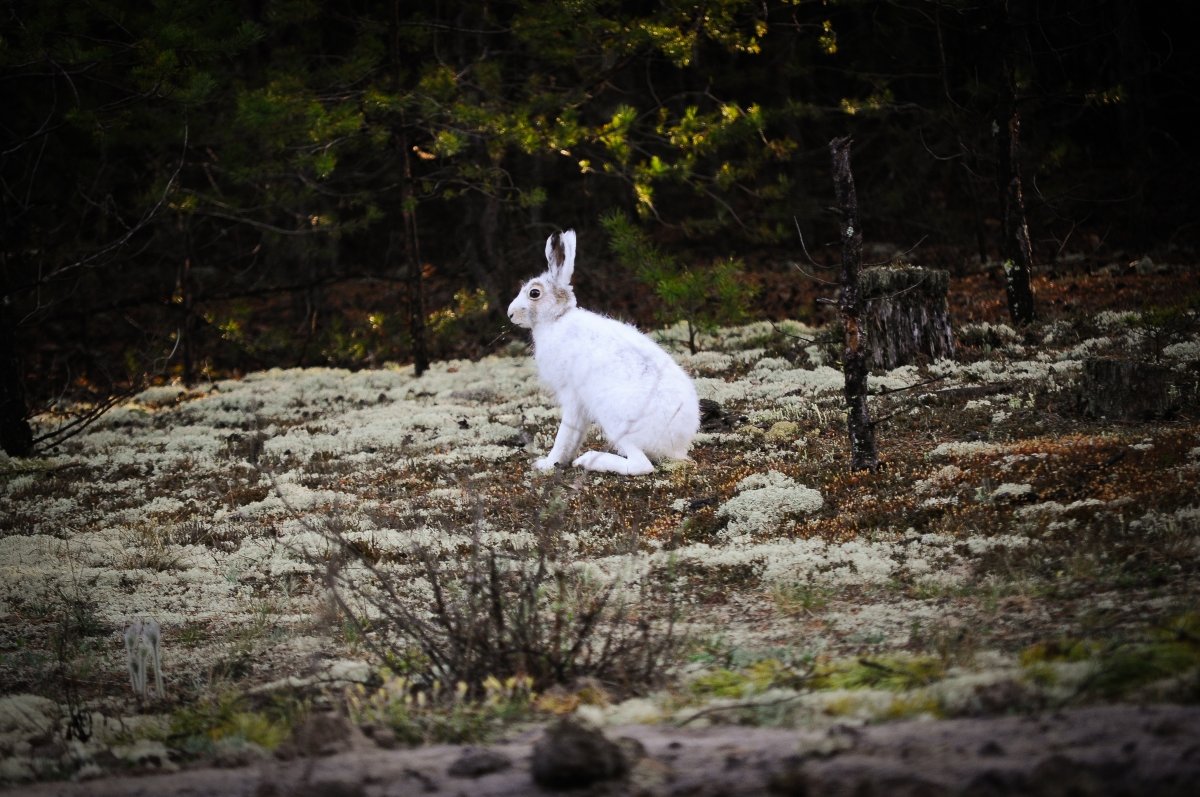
x,y
560,256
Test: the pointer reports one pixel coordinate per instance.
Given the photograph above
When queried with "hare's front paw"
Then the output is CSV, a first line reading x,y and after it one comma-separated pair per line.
x,y
545,463
589,460
636,464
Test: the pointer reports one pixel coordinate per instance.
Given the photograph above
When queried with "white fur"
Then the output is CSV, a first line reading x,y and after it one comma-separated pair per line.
x,y
604,372
142,647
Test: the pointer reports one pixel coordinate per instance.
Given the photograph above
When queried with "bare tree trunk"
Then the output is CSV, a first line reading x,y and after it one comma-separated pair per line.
x,y
863,455
187,323
1016,250
408,214
412,254
16,436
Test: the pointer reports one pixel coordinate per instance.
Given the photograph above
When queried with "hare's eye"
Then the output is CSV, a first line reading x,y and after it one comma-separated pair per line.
x,y
535,293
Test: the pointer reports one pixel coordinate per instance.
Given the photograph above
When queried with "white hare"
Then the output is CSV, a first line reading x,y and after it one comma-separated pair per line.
x,y
604,372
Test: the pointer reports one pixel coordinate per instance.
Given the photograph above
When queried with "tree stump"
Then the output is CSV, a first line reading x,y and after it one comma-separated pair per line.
x,y
907,315
1136,391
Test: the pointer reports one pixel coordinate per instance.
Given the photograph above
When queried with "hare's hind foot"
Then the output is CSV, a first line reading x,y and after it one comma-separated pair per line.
x,y
634,464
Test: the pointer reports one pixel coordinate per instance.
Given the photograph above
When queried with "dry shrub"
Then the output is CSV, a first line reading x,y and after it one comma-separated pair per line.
x,y
499,611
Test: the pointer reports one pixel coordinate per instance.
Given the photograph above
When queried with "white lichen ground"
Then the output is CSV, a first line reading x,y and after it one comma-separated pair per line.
x,y
206,508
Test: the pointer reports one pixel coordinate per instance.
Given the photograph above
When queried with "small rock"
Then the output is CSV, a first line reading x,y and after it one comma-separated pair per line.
x,y
474,763
231,752
319,734
385,738
146,754
991,748
571,756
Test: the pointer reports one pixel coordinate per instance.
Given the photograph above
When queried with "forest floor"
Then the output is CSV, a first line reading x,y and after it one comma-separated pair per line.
x,y
1090,751
1008,606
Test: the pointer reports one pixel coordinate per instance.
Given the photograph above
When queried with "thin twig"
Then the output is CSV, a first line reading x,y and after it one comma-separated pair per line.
x,y
779,331
146,218
907,251
60,435
738,706
814,263
890,391
900,292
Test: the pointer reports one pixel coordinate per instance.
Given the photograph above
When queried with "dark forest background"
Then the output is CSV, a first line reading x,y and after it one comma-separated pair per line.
x,y
200,187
